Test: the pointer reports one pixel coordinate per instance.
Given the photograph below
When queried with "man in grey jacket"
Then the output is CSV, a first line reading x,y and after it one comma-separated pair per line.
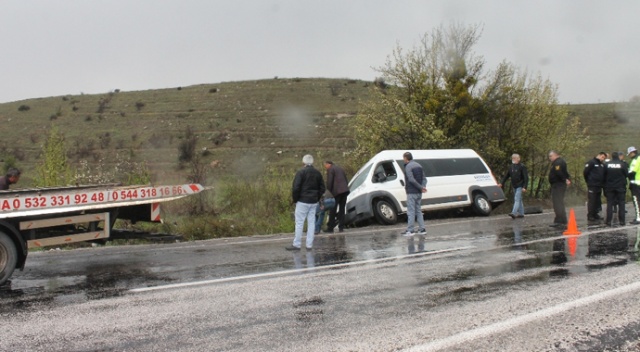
x,y
415,184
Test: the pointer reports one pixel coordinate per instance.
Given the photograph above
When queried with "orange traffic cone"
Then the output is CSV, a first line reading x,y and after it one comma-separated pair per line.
x,y
572,227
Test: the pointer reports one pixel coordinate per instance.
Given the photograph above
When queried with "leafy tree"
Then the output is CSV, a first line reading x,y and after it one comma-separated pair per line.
x,y
438,96
53,170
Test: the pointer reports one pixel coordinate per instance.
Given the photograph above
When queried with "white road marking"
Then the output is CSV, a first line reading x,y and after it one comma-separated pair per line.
x,y
294,271
505,325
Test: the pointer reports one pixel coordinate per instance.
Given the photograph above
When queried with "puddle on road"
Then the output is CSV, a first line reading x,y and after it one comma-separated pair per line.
x,y
522,249
529,256
98,283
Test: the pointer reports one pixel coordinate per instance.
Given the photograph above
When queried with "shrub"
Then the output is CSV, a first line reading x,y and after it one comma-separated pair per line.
x,y
187,147
24,108
139,105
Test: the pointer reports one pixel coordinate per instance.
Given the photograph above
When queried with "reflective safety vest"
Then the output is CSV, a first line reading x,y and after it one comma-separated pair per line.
x,y
634,169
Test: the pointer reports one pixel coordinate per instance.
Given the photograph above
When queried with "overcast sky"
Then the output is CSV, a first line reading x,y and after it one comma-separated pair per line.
x,y
590,49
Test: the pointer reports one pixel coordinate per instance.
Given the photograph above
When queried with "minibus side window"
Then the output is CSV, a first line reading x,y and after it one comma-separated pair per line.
x,y
451,166
384,172
360,178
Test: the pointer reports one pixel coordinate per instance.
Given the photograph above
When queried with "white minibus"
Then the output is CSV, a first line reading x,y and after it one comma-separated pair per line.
x,y
456,178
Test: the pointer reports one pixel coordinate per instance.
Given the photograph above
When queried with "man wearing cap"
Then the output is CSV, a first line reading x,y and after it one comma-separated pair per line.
x,y
308,187
634,182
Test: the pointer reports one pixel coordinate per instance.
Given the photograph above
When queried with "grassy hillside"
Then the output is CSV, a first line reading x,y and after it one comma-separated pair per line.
x,y
611,126
242,127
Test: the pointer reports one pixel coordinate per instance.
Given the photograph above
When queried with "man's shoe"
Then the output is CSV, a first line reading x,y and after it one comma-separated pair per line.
x,y
556,225
512,215
422,232
520,216
327,231
635,222
407,233
292,248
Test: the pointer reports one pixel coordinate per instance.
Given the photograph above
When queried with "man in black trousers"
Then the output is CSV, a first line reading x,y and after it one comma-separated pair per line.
x,y
559,179
338,185
594,177
615,187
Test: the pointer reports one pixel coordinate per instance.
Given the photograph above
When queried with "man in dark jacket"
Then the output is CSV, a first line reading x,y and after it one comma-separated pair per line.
x,y
519,181
308,188
338,185
594,177
615,187
559,179
12,177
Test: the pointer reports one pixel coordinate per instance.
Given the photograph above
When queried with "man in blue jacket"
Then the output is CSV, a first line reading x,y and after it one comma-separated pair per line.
x,y
415,184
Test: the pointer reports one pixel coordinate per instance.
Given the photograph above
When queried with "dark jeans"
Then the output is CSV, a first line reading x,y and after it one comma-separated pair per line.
x,y
615,197
329,203
558,190
594,202
337,213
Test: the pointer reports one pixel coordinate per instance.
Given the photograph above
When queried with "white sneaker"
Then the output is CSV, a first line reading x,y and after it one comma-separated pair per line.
x,y
407,233
422,232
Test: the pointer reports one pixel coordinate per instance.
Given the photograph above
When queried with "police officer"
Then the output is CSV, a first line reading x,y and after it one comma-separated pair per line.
x,y
634,182
594,176
559,179
615,187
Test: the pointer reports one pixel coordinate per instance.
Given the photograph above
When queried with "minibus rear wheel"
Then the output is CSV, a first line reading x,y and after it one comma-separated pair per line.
x,y
481,204
386,212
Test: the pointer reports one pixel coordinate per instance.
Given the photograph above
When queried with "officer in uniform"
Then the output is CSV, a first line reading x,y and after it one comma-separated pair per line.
x,y
559,179
634,182
615,187
594,176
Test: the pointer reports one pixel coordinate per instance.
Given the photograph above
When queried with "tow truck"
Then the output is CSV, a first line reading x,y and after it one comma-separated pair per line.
x,y
31,218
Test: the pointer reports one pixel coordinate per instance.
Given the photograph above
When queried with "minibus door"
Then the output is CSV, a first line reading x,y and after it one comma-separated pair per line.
x,y
388,178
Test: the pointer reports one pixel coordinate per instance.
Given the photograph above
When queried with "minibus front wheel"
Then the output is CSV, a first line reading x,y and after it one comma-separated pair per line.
x,y
385,211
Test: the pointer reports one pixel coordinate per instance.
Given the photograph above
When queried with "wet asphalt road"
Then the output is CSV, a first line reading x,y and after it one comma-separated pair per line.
x,y
471,284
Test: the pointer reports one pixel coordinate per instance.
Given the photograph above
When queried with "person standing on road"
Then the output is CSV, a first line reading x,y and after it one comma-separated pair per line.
x,y
594,177
415,184
634,182
519,181
615,187
338,185
326,204
12,177
308,188
559,179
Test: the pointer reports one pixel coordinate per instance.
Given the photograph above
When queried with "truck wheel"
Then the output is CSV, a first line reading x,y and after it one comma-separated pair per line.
x,y
481,204
386,213
8,257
